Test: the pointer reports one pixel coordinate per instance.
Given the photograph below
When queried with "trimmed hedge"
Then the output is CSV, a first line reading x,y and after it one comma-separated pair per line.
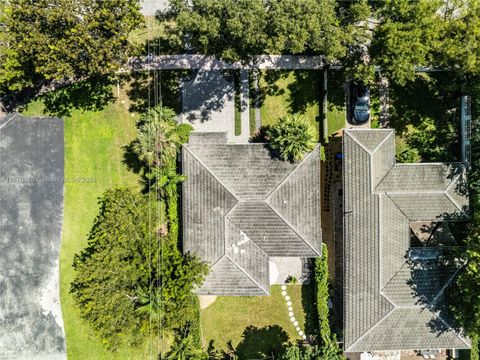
x,y
328,341
322,293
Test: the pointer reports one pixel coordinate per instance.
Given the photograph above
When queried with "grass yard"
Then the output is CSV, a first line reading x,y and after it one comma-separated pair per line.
x,y
336,118
151,31
289,92
93,148
228,318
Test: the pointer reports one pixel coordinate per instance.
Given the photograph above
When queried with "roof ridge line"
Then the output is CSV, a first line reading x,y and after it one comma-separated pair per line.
x,y
247,275
452,329
447,189
293,229
276,187
360,144
388,195
447,283
253,242
381,142
185,146
384,317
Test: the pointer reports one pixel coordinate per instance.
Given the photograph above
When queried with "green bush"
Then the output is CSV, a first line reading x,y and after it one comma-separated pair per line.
x,y
328,342
292,137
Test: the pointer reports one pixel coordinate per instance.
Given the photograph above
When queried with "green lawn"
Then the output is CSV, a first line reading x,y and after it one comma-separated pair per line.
x,y
336,118
228,317
288,93
151,31
93,148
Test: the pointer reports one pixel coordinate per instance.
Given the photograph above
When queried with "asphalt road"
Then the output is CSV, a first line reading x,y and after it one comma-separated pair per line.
x,y
31,213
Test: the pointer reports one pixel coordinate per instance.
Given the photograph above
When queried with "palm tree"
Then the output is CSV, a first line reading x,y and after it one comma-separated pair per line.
x,y
184,347
159,137
292,137
230,353
150,303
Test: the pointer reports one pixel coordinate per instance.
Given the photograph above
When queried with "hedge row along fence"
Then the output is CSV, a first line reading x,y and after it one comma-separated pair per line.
x,y
322,293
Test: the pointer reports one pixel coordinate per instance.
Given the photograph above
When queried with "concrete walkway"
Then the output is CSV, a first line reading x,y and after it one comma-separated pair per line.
x,y
244,106
205,62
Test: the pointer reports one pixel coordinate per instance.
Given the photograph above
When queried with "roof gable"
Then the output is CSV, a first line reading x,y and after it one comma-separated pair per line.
x,y
381,198
240,204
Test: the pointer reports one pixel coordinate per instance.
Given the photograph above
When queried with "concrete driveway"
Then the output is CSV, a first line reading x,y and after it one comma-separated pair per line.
x,y
31,213
208,102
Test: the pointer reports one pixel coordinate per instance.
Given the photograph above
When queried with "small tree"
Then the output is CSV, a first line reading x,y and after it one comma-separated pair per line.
x,y
292,137
159,137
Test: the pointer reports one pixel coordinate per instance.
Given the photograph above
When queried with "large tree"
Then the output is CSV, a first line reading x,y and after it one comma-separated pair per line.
x,y
431,33
63,40
237,29
130,277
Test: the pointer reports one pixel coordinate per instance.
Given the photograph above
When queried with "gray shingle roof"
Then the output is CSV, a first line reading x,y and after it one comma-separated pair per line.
x,y
241,207
390,299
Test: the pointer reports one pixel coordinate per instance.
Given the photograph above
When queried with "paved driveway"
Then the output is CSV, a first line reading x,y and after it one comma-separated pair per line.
x,y
208,102
31,212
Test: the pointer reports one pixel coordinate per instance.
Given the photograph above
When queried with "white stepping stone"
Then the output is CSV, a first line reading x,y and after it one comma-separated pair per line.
x,y
290,308
292,319
304,337
284,287
297,328
289,303
300,333
287,298
290,314
284,293
295,323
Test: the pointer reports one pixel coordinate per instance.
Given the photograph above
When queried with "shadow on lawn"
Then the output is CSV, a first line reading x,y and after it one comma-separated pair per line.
x,y
93,94
259,343
149,89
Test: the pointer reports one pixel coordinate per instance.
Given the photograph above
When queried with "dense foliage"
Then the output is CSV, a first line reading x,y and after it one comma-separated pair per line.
x,y
291,137
63,40
237,29
433,33
465,302
158,141
328,341
125,260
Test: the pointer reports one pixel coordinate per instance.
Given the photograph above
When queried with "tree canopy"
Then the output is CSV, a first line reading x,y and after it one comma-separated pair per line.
x,y
130,274
237,29
63,40
435,34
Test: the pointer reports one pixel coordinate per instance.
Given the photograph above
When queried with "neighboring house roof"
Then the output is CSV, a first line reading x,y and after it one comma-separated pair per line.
x,y
241,206
393,294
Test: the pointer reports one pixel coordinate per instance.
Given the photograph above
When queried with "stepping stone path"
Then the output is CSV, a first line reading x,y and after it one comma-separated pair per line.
x,y
290,312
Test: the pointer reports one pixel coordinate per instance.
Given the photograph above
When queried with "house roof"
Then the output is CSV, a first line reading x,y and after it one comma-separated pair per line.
x,y
393,294
241,206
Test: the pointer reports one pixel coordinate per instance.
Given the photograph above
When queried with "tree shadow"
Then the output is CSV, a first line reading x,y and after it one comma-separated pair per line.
x,y
205,92
93,94
151,88
306,90
259,343
433,267
336,88
308,303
